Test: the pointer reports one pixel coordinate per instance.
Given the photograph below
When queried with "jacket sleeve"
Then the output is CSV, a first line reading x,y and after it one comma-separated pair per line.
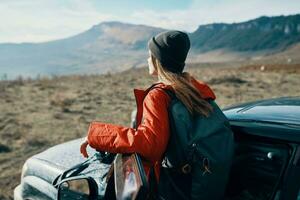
x,y
149,139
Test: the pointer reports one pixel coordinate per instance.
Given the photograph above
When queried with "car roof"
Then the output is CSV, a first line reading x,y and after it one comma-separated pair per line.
x,y
284,110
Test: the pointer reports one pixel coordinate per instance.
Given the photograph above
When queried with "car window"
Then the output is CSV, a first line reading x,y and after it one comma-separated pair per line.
x,y
256,169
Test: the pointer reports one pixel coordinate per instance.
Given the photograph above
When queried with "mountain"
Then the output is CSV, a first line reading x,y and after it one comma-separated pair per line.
x,y
106,47
115,46
261,34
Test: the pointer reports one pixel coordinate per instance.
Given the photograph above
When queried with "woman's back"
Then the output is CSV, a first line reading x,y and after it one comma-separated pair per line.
x,y
199,153
150,138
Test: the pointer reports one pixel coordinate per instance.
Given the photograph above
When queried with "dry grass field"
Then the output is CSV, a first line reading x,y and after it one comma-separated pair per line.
x,y
37,114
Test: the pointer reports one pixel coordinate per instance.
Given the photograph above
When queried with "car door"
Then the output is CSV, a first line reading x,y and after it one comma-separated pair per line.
x,y
258,167
291,180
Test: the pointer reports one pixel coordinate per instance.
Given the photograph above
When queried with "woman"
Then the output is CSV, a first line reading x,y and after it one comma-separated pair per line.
x,y
167,54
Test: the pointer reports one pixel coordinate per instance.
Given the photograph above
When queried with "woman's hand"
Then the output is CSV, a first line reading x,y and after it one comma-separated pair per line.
x,y
83,149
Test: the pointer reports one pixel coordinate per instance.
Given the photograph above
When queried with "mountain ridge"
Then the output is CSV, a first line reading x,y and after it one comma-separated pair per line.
x,y
113,46
263,33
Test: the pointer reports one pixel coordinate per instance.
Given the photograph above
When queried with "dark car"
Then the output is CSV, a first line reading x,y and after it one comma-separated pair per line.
x,y
266,164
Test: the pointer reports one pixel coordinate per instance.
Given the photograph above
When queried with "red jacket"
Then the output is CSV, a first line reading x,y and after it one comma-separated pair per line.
x,y
151,136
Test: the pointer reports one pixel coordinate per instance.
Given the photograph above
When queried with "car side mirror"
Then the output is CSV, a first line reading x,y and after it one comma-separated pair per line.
x,y
83,188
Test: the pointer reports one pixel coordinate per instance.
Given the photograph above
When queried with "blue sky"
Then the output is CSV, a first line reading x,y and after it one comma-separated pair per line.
x,y
43,20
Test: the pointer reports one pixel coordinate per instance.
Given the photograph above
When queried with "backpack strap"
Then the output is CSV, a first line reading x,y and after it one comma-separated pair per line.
x,y
185,169
152,178
151,87
169,92
77,169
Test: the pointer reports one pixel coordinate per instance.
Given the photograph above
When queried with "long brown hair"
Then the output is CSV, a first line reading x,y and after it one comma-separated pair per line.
x,y
184,90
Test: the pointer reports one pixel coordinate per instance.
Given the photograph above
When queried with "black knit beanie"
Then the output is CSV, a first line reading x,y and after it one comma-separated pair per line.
x,y
171,49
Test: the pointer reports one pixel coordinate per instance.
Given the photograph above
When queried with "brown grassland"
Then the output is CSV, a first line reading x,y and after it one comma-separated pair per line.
x,y
37,114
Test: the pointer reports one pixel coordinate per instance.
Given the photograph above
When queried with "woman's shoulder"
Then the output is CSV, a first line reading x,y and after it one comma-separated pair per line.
x,y
158,92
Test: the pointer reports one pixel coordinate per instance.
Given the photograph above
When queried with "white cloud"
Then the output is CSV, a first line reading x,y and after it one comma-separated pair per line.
x,y
46,20
204,12
30,20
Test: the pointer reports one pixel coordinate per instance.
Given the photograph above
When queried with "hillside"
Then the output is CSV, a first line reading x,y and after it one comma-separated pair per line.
x,y
116,46
94,51
261,34
37,114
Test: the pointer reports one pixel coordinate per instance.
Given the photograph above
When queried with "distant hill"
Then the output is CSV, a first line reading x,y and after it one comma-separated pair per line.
x,y
108,46
116,46
261,34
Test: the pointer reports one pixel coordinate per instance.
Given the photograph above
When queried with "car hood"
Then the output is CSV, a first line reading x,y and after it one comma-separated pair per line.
x,y
50,163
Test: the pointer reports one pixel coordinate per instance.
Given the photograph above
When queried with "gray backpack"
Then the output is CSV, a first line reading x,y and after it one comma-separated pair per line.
x,y
199,154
